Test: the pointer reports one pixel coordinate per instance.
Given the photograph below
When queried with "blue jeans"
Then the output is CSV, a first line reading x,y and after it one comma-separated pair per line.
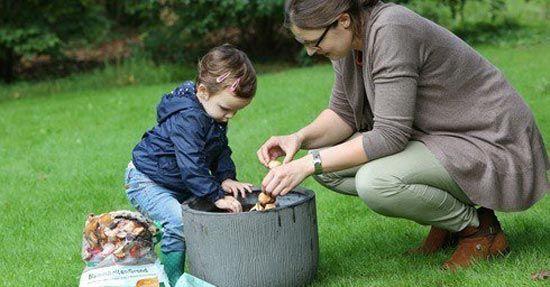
x,y
158,204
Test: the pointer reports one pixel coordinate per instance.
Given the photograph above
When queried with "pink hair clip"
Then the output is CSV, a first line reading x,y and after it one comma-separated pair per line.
x,y
223,77
235,85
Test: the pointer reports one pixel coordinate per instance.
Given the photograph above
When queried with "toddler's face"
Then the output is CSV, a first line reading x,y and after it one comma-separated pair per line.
x,y
221,106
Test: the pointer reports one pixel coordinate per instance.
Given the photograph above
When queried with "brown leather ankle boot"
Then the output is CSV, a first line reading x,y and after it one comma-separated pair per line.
x,y
479,243
437,239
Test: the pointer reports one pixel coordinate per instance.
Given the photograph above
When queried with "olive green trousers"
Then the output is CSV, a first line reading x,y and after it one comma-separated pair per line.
x,y
410,184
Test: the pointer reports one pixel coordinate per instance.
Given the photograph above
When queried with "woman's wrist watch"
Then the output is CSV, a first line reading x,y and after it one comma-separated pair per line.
x,y
317,162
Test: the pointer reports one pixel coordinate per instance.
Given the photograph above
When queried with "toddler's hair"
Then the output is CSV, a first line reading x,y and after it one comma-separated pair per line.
x,y
227,67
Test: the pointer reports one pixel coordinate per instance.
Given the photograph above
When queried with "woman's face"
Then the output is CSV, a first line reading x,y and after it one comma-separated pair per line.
x,y
335,44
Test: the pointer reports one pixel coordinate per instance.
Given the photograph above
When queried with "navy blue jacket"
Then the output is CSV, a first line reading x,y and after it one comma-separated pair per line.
x,y
186,151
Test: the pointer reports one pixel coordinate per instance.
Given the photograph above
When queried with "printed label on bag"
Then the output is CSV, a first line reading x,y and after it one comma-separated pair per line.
x,y
151,275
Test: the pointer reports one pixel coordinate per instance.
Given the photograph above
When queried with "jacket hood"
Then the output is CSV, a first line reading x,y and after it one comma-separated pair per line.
x,y
182,98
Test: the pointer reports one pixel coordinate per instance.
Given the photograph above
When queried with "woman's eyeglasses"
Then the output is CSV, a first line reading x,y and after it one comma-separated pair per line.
x,y
322,37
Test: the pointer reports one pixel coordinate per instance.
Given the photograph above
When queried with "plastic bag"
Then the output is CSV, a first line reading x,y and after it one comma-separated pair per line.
x,y
119,250
188,280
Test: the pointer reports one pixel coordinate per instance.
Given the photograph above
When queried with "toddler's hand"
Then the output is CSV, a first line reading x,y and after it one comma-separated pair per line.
x,y
229,203
234,187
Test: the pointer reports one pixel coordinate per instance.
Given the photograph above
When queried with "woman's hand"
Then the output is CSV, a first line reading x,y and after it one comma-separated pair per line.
x,y
282,179
278,146
229,203
234,187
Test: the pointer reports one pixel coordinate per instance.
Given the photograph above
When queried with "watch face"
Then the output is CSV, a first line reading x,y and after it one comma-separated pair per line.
x,y
317,162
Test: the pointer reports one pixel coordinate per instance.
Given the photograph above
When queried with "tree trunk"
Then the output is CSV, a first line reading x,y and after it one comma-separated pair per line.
x,y
7,64
462,4
452,5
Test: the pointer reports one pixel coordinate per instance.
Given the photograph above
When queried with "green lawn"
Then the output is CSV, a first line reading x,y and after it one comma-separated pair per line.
x,y
63,156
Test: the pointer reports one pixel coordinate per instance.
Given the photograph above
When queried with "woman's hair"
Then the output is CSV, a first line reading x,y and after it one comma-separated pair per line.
x,y
316,14
227,67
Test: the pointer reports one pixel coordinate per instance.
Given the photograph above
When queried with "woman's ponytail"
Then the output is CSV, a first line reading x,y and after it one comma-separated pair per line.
x,y
366,3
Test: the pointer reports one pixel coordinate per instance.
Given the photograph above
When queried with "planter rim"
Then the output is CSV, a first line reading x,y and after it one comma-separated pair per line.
x,y
308,196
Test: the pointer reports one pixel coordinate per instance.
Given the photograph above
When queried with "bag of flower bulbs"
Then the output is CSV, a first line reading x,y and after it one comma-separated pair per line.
x,y
119,250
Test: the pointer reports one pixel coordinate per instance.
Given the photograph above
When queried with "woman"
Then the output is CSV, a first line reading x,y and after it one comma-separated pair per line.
x,y
438,129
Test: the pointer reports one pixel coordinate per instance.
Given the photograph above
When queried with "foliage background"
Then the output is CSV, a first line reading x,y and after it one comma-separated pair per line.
x,y
48,39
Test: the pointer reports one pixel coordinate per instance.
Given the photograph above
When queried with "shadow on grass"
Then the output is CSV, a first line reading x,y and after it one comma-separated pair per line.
x,y
376,253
